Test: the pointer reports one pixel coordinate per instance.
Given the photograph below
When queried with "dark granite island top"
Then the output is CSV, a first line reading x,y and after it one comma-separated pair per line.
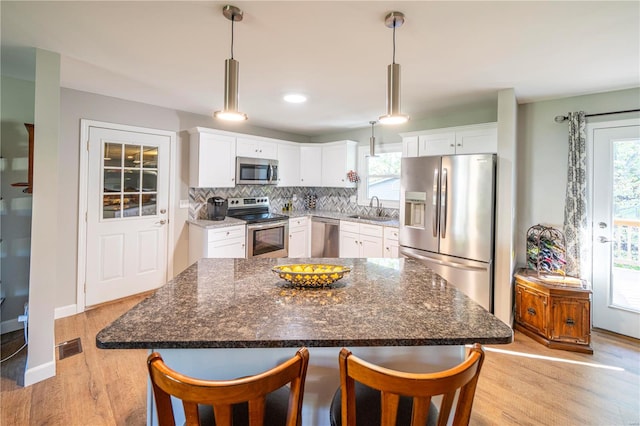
x,y
240,303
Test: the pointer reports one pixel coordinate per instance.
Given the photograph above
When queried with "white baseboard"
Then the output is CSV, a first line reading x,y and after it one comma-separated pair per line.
x,y
39,373
10,325
66,311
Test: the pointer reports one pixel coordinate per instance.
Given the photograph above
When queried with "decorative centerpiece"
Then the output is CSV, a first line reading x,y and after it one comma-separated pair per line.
x,y
311,275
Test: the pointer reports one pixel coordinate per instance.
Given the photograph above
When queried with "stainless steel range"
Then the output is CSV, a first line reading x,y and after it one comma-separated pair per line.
x,y
267,233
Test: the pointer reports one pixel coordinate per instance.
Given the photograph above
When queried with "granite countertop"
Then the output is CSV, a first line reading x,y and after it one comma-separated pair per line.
x,y
240,303
229,221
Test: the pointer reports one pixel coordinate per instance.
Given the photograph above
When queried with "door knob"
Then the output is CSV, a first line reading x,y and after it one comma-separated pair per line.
x,y
162,222
604,240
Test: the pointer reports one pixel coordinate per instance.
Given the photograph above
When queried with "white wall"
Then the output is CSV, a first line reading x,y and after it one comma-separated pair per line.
x,y
76,105
15,214
542,155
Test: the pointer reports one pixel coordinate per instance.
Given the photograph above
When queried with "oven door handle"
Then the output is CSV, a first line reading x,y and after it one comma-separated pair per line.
x,y
274,224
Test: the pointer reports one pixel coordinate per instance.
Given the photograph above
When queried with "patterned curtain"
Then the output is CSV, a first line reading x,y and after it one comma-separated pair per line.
x,y
575,209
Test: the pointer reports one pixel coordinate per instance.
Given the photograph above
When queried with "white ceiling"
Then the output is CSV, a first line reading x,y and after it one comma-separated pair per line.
x,y
171,53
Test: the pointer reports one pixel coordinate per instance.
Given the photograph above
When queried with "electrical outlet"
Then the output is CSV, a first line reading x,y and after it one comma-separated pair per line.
x,y
24,317
352,199
184,204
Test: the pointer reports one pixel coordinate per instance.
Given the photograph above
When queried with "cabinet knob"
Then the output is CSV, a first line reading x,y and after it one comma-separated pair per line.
x,y
452,145
531,311
459,144
570,321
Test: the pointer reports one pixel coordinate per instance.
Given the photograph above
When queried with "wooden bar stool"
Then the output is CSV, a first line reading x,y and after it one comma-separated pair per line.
x,y
370,395
268,399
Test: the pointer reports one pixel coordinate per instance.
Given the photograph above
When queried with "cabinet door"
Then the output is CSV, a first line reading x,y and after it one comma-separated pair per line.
x,y
311,165
531,309
410,146
255,148
391,248
288,165
437,144
298,242
481,141
349,244
571,322
371,246
338,158
212,161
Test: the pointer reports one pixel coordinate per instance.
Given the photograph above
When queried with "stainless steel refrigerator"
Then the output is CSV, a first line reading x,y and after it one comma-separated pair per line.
x,y
447,215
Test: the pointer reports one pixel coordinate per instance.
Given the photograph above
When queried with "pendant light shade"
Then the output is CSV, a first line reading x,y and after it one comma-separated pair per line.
x,y
372,141
394,115
231,74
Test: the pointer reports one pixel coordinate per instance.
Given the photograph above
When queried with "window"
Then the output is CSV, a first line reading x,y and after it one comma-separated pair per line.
x,y
380,175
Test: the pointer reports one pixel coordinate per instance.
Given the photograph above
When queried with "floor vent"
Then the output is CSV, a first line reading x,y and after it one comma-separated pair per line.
x,y
70,348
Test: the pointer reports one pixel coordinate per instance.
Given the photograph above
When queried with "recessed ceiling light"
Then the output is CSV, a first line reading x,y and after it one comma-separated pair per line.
x,y
295,98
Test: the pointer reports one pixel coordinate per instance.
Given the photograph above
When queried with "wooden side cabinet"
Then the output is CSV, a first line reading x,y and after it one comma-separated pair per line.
x,y
557,316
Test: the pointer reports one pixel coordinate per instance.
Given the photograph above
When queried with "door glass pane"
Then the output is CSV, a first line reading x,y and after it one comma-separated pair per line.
x,y
112,154
149,205
149,181
111,206
149,157
132,156
112,180
625,283
131,180
131,205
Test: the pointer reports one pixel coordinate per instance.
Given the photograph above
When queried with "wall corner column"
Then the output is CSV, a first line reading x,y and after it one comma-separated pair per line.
x,y
505,256
43,276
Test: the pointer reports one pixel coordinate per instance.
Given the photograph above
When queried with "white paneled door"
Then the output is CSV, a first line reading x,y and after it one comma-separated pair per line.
x,y
616,226
127,202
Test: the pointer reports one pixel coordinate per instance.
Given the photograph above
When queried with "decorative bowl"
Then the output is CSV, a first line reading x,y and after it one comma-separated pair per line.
x,y
311,274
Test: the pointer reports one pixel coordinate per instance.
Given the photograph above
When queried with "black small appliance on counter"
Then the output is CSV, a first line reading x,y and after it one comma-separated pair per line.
x,y
217,208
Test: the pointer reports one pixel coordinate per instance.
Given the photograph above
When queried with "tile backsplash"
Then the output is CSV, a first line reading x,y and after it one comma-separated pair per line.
x,y
333,199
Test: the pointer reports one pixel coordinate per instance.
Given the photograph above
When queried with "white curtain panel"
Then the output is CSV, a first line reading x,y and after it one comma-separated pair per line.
x,y
575,210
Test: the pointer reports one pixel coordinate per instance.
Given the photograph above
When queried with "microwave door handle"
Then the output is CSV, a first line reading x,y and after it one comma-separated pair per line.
x,y
444,191
435,203
270,173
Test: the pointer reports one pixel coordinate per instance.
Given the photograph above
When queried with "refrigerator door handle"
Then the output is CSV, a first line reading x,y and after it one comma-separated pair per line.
x,y
458,265
444,193
435,203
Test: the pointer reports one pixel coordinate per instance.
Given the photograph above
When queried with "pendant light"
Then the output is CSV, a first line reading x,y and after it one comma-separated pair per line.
x,y
394,116
372,141
231,71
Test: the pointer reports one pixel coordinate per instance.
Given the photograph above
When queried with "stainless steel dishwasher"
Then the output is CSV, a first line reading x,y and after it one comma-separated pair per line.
x,y
325,237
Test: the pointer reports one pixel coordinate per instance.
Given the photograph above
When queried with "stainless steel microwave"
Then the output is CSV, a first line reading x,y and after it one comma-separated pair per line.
x,y
256,171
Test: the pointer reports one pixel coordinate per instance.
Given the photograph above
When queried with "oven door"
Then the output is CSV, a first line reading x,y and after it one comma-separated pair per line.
x,y
269,239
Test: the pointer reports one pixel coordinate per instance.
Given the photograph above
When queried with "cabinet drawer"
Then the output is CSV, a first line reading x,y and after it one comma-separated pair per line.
x,y
531,309
298,222
390,234
570,320
218,234
349,226
371,230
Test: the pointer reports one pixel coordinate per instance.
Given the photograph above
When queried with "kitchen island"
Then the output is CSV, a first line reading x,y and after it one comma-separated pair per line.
x,y
224,318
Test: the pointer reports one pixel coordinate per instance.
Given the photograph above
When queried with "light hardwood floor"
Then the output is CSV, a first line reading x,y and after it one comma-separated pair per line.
x,y
108,387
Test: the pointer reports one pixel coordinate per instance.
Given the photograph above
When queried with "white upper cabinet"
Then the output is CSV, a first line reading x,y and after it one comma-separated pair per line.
x,y
338,158
311,165
256,148
212,159
410,146
473,139
288,164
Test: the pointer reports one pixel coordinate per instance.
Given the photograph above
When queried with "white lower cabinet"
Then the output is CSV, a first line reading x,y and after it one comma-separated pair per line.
x,y
360,239
390,242
225,242
299,237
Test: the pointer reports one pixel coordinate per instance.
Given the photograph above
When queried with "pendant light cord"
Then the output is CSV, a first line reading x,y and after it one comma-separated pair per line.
x,y
394,41
233,18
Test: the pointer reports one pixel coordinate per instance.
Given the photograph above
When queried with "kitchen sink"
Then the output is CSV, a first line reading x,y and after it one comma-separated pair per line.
x,y
374,218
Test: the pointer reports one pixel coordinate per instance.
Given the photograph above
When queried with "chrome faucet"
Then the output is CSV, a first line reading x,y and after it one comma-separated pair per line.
x,y
378,205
